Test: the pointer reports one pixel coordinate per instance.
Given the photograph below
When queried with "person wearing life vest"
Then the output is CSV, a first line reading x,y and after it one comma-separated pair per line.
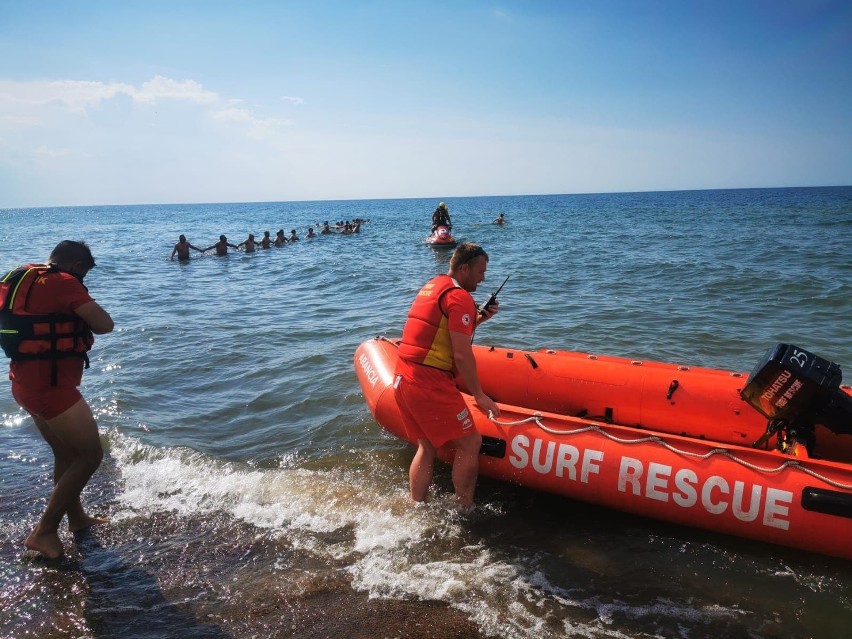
x,y
436,346
48,318
441,217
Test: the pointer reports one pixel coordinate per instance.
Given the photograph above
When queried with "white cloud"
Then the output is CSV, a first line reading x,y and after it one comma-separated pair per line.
x,y
258,128
291,99
80,95
74,95
233,115
33,104
66,132
166,88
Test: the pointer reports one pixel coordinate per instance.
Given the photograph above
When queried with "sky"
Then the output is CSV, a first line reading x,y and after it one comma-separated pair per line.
x,y
120,102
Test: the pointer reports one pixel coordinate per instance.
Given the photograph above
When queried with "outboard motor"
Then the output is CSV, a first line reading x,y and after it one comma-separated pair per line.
x,y
795,390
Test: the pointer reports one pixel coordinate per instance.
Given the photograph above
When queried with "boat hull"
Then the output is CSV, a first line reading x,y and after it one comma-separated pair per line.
x,y
712,479
441,238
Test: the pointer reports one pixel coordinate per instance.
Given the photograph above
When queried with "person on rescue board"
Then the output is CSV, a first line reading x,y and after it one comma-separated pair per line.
x,y
436,345
46,368
441,217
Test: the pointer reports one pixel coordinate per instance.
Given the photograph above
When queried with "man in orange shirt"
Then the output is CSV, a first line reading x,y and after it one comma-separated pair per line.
x,y
47,323
436,344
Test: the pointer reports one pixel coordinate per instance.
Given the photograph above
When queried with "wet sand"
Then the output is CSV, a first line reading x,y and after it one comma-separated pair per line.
x,y
210,578
349,614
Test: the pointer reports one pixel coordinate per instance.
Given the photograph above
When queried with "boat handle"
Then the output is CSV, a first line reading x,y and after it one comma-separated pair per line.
x,y
672,388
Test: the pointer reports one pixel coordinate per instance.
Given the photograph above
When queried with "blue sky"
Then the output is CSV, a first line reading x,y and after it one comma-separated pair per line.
x,y
110,102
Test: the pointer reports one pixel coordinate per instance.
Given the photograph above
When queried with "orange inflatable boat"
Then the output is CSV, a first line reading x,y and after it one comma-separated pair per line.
x,y
766,456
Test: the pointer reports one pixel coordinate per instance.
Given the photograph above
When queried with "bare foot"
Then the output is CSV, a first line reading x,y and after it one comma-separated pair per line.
x,y
84,522
46,544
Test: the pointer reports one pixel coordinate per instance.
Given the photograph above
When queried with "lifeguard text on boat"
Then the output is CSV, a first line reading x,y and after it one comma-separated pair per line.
x,y
653,480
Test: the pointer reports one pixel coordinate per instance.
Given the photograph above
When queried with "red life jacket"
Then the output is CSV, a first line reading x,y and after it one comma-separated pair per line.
x,y
425,337
28,336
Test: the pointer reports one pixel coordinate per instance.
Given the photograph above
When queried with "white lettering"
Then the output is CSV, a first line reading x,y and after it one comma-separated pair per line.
x,y
519,457
590,465
737,502
714,508
369,371
776,386
685,481
630,471
545,467
547,458
775,498
657,483
566,458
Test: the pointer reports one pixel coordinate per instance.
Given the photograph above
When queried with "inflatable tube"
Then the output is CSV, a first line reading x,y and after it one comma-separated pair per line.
x,y
658,440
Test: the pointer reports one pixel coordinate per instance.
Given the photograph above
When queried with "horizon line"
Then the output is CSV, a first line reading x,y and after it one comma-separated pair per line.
x,y
443,197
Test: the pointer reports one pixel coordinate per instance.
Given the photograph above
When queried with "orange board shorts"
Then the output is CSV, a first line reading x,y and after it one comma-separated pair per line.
x,y
432,407
46,402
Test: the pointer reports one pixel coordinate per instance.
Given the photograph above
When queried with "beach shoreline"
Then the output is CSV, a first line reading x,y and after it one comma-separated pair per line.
x,y
160,575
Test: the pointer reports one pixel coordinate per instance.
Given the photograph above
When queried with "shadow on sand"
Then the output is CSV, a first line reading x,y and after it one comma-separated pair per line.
x,y
127,602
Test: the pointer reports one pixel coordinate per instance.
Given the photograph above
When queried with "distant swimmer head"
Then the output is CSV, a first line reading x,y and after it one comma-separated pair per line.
x,y
222,238
182,238
442,206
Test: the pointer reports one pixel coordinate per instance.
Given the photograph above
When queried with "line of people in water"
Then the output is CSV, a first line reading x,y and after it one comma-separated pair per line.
x,y
250,244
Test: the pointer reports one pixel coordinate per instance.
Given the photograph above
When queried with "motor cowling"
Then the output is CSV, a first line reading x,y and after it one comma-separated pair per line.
x,y
795,386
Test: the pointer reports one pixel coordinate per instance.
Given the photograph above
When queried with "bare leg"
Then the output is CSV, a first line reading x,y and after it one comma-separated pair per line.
x,y
73,436
420,473
77,518
466,468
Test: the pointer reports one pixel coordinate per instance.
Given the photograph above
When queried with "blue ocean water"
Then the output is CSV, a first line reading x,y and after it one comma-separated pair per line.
x,y
247,483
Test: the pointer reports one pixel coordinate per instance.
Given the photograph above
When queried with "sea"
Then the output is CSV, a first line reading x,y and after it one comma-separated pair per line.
x,y
251,493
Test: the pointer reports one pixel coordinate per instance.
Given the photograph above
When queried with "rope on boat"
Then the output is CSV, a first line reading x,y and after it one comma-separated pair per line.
x,y
790,463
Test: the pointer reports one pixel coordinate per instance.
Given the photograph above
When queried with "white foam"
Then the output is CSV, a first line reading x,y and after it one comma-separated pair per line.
x,y
395,550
